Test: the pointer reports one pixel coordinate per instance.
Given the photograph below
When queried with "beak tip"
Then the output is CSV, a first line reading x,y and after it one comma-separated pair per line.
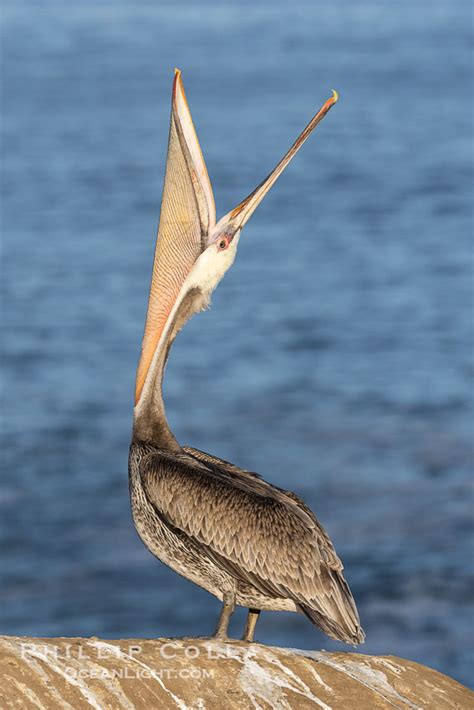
x,y
335,96
177,83
178,94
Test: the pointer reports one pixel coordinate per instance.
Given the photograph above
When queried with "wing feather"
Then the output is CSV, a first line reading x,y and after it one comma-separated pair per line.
x,y
255,531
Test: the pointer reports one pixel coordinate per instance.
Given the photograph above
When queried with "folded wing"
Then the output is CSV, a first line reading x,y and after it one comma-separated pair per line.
x,y
257,533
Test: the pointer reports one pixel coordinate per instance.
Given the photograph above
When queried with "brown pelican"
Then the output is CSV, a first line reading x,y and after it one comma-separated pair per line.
x,y
242,539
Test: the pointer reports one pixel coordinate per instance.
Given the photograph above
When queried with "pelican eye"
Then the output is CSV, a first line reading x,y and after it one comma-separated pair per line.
x,y
223,243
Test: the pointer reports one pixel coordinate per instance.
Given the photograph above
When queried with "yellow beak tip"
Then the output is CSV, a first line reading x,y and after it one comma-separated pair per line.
x,y
335,95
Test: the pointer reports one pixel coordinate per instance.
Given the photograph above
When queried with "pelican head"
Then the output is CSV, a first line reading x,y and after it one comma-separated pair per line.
x,y
193,251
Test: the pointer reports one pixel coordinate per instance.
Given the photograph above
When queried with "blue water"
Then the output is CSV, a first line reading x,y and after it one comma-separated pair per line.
x,y
337,359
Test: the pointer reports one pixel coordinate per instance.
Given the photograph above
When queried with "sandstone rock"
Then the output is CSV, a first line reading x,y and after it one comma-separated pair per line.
x,y
198,674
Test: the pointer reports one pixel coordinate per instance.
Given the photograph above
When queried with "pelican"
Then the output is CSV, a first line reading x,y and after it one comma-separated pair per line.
x,y
246,541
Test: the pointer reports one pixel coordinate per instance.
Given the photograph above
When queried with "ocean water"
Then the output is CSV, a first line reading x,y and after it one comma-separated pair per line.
x,y
337,357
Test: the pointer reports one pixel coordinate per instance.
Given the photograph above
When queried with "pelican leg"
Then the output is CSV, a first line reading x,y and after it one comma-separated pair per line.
x,y
252,618
228,607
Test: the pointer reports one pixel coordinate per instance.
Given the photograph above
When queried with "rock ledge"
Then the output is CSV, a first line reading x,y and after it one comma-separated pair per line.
x,y
192,674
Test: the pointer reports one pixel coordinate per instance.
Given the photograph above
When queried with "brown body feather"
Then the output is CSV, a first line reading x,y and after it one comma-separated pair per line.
x,y
275,553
